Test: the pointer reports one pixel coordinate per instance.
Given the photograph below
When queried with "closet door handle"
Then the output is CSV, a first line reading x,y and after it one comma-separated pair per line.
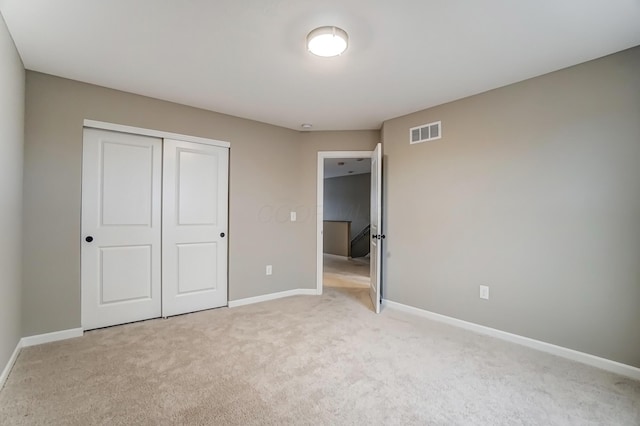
x,y
89,239
222,235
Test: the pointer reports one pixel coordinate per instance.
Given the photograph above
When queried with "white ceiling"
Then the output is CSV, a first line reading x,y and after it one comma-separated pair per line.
x,y
349,166
247,57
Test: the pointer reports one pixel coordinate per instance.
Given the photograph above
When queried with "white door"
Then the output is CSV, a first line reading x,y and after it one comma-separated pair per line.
x,y
377,237
121,208
194,240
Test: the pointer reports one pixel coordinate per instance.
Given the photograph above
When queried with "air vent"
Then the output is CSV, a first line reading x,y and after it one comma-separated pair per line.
x,y
425,132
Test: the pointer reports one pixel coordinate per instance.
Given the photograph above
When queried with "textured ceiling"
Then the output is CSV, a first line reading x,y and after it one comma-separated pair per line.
x,y
247,58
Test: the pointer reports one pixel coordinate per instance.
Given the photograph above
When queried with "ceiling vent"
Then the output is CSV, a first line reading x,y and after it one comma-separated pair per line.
x,y
425,132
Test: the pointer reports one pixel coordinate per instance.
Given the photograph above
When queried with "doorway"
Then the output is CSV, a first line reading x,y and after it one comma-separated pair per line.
x,y
347,212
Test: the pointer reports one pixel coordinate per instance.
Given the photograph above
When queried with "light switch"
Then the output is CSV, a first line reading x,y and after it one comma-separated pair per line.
x,y
484,292
293,216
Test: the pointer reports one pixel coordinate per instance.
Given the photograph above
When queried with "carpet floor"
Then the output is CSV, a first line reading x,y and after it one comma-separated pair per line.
x,y
339,271
306,360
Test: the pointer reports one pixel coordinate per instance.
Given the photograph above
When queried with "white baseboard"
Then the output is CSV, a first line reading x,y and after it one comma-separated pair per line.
x,y
273,296
10,363
39,339
592,360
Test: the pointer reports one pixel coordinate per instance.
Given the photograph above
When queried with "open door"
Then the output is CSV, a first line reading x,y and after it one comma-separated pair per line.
x,y
376,227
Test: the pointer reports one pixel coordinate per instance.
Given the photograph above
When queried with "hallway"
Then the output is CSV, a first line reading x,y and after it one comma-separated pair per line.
x,y
345,273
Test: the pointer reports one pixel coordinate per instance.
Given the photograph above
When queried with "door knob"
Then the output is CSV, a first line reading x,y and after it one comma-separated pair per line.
x,y
374,236
89,239
222,235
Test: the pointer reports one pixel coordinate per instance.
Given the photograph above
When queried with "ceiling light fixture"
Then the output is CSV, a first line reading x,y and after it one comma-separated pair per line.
x,y
306,126
327,41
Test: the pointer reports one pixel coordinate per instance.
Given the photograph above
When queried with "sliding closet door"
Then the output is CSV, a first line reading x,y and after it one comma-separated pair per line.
x,y
121,208
194,240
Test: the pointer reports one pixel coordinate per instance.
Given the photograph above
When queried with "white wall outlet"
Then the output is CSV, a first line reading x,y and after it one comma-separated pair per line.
x,y
293,216
484,292
269,270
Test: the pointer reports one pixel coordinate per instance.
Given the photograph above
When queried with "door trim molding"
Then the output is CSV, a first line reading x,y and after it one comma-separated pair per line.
x,y
154,133
320,203
561,351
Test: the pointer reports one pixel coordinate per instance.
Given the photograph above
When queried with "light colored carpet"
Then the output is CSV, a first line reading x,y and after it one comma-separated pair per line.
x,y
306,360
340,271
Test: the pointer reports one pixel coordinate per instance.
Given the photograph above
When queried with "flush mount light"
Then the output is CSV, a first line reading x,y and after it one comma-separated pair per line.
x,y
306,126
327,41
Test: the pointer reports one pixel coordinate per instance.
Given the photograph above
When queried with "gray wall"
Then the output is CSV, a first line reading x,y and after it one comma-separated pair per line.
x,y
269,176
534,190
348,198
335,238
11,143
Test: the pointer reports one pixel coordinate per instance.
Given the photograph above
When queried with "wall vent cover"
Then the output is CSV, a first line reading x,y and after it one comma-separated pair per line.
x,y
425,132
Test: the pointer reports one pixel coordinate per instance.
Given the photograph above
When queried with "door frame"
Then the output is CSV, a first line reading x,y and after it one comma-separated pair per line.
x,y
103,125
322,155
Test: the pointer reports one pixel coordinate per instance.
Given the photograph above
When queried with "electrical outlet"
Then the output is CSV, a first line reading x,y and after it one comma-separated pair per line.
x,y
293,216
484,292
269,270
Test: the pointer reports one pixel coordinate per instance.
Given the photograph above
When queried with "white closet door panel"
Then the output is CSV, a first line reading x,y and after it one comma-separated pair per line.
x,y
197,174
126,274
121,214
197,267
195,204
127,180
